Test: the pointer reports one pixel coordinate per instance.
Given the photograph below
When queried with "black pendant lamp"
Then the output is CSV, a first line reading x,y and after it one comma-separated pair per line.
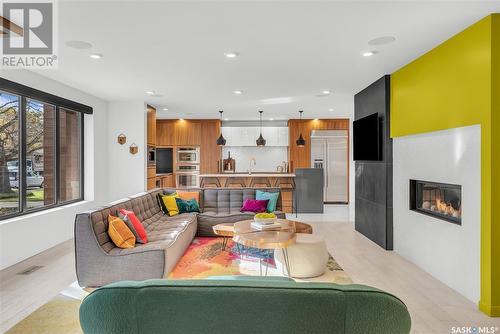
x,y
301,142
261,141
221,141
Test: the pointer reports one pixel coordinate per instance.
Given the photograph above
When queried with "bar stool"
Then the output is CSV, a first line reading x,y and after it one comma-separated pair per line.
x,y
235,182
210,182
285,183
260,182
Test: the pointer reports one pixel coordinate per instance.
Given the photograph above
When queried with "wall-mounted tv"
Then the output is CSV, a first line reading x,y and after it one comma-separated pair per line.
x,y
366,138
164,160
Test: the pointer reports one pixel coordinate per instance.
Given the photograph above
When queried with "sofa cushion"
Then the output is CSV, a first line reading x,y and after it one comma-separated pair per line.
x,y
134,225
171,204
144,206
271,196
120,233
254,205
187,195
190,205
162,232
225,306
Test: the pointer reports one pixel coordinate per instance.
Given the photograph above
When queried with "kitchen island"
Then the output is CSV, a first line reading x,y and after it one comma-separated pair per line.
x,y
284,181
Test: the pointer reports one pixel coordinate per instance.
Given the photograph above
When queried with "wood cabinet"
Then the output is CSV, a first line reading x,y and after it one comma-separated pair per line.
x,y
151,183
202,133
151,125
151,177
178,132
210,153
299,157
166,181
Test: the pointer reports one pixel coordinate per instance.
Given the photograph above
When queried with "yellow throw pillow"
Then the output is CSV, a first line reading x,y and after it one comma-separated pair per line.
x,y
119,232
171,204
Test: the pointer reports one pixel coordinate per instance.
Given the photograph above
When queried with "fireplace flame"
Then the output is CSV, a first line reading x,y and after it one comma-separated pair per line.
x,y
446,208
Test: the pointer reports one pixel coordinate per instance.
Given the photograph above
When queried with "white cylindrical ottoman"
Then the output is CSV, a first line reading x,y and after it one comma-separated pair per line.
x,y
308,256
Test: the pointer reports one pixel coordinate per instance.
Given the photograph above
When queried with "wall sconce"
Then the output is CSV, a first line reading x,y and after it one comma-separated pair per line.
x,y
122,139
133,148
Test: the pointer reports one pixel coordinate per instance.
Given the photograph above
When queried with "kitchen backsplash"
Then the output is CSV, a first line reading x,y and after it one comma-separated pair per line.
x,y
267,158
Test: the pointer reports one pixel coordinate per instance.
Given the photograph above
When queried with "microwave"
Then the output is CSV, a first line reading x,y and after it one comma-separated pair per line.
x,y
189,155
151,155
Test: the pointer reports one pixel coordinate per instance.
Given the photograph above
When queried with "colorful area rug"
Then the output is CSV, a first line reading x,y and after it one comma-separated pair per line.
x,y
204,258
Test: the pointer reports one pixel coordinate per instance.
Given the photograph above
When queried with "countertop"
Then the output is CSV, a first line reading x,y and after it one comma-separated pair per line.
x,y
255,174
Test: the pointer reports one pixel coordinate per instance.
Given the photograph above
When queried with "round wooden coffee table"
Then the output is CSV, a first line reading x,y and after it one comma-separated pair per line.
x,y
276,238
224,230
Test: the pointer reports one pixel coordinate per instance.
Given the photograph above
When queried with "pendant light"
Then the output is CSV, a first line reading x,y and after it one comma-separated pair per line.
x,y
221,141
301,142
261,141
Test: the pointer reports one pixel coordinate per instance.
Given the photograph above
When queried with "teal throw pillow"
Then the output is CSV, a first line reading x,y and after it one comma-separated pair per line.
x,y
272,197
187,205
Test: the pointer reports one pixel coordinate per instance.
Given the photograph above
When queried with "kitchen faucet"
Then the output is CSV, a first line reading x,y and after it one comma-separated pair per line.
x,y
250,164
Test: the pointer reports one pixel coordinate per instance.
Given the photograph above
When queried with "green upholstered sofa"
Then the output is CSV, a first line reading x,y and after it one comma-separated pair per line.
x,y
241,306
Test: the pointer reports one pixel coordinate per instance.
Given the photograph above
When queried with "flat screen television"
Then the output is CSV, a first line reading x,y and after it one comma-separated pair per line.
x,y
164,160
366,138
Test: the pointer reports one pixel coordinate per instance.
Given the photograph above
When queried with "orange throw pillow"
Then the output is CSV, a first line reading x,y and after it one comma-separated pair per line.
x,y
187,195
120,233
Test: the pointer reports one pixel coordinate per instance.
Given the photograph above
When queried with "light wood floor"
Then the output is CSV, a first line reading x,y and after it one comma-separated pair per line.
x,y
20,295
434,307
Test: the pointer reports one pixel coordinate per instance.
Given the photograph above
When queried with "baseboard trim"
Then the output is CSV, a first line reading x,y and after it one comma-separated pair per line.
x,y
490,310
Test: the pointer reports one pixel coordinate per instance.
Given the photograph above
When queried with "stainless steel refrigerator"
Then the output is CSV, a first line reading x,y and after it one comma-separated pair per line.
x,y
330,151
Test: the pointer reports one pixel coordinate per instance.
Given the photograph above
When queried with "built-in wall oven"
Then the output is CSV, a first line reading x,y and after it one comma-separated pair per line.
x,y
187,167
188,155
187,180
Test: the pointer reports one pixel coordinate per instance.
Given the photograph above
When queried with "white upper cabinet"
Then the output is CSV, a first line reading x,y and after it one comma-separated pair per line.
x,y
246,136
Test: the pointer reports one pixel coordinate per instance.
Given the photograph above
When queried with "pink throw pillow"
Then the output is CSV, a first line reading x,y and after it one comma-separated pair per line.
x,y
255,205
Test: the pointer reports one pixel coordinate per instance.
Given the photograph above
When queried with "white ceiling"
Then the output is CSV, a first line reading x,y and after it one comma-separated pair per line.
x,y
289,49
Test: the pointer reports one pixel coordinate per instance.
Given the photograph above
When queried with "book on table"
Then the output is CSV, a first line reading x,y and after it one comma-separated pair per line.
x,y
260,226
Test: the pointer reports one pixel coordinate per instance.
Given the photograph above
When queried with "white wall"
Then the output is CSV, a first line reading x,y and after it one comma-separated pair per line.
x,y
25,236
127,172
267,157
447,251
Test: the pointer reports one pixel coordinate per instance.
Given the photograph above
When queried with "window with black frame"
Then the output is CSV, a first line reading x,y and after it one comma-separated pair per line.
x,y
41,150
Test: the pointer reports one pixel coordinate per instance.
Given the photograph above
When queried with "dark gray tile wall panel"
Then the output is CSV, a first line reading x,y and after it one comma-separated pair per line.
x,y
373,187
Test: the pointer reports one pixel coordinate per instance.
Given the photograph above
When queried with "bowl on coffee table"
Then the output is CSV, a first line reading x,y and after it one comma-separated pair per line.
x,y
265,218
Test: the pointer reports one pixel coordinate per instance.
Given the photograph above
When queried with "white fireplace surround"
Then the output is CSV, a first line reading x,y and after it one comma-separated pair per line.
x,y
449,252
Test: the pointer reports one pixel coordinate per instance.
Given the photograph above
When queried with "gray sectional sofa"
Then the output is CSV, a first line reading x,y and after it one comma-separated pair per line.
x,y
100,262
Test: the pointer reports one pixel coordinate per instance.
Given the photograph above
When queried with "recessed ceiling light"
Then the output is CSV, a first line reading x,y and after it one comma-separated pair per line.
x,y
231,54
150,92
226,119
96,56
382,40
331,109
325,92
82,45
165,109
368,53
238,92
271,119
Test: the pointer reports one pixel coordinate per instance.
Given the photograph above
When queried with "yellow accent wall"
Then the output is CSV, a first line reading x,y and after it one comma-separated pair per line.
x,y
458,84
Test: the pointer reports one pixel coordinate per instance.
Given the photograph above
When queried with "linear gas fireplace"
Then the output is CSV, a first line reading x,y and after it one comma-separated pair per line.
x,y
440,200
